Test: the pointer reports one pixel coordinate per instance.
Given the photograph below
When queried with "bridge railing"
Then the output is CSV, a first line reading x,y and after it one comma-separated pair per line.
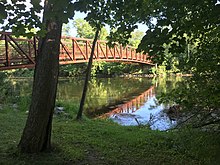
x,y
16,51
75,50
20,52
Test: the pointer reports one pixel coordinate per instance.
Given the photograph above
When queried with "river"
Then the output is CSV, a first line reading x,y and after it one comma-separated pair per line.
x,y
127,101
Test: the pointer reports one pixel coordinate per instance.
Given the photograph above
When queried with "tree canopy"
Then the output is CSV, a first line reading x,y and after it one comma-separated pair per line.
x,y
188,30
181,33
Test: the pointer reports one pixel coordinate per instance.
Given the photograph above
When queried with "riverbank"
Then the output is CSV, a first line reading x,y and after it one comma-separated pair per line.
x,y
104,142
101,70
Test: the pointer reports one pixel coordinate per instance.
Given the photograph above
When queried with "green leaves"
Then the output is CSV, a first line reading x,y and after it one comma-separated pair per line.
x,y
85,30
136,37
22,18
3,13
61,10
36,6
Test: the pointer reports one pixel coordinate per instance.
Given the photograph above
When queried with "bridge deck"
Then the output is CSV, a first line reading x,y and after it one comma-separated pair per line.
x,y
20,52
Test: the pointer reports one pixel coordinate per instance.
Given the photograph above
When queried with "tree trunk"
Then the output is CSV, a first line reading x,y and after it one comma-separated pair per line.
x,y
36,136
88,73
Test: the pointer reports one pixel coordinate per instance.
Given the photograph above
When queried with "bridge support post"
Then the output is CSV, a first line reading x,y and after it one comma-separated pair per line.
x,y
132,56
74,50
126,52
87,51
7,51
121,51
107,51
114,51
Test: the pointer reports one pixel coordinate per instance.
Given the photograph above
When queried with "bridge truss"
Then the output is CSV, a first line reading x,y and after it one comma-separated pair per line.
x,y
20,52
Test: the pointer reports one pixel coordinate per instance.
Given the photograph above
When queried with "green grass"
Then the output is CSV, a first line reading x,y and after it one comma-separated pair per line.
x,y
104,142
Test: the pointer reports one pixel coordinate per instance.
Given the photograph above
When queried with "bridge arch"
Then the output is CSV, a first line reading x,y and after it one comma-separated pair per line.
x,y
20,52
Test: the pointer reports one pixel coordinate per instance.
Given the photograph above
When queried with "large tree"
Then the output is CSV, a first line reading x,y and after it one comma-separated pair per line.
x,y
37,132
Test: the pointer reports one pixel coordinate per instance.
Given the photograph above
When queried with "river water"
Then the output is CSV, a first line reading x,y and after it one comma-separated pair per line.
x,y
127,101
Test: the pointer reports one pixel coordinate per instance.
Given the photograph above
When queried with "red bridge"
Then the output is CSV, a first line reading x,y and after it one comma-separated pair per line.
x,y
20,52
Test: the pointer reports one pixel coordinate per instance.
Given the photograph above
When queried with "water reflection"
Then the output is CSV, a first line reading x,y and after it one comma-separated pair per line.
x,y
141,110
128,101
132,105
103,93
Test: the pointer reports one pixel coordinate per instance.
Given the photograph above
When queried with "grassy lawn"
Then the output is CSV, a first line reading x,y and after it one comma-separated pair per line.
x,y
104,142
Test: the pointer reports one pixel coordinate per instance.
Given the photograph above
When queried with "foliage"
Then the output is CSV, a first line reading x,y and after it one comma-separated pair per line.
x,y
24,72
3,13
110,69
75,70
193,32
136,37
70,108
4,88
22,18
66,30
181,36
85,30
189,28
159,70
101,69
12,95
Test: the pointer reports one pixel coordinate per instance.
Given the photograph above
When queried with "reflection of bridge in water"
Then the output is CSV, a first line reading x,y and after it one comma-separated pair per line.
x,y
132,105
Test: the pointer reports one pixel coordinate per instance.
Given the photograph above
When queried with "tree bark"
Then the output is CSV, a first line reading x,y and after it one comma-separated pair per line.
x,y
88,73
36,136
